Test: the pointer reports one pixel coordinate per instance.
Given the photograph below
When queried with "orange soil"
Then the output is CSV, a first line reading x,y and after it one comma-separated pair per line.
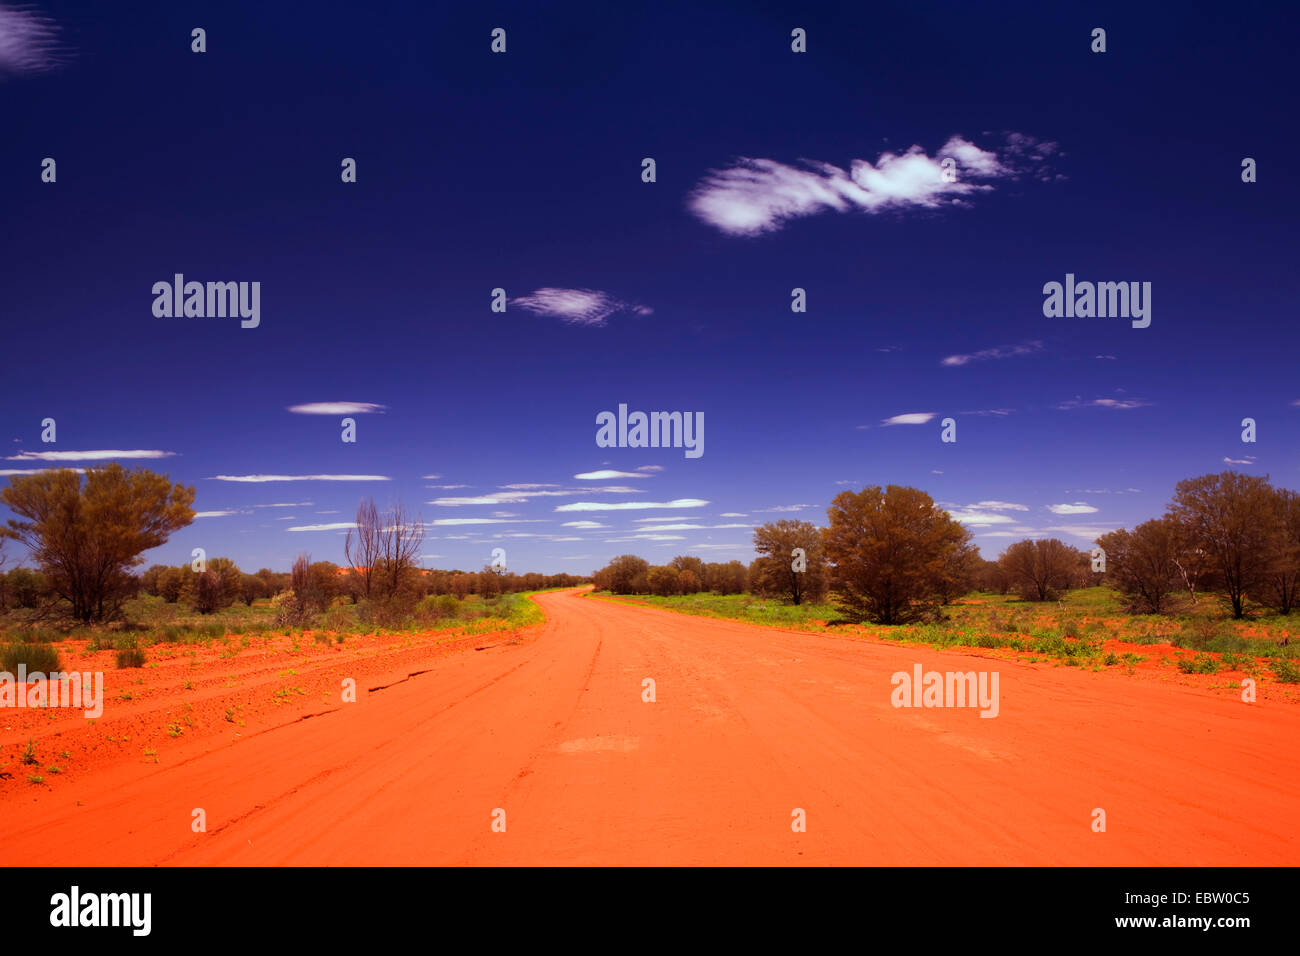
x,y
749,723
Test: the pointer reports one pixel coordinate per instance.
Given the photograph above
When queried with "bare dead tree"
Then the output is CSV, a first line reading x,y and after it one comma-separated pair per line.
x,y
364,545
400,541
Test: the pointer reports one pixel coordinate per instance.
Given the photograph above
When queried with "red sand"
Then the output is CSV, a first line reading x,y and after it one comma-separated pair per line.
x,y
750,723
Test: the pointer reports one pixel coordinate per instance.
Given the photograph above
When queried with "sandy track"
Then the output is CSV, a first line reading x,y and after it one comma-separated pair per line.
x,y
749,723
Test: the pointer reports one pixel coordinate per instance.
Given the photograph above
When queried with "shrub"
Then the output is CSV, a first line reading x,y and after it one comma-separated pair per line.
x,y
131,657
37,657
290,611
1285,671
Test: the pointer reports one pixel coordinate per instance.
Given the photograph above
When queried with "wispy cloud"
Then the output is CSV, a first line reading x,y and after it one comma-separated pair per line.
x,y
337,408
1078,508
689,527
10,472
910,418
1248,460
985,355
606,473
446,522
1116,403
28,42
977,519
214,514
584,524
337,526
99,455
519,497
780,508
632,505
756,196
985,412
256,479
577,306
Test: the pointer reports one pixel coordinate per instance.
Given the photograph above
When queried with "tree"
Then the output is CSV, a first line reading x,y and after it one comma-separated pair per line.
x,y
689,564
1230,517
664,580
626,574
991,576
782,571
961,567
151,579
27,588
726,578
251,588
1282,579
887,551
174,582
1038,570
209,594
87,537
400,540
363,545
1142,564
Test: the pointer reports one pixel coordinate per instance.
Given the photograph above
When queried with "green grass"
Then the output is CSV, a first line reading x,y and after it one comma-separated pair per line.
x,y
743,607
1070,632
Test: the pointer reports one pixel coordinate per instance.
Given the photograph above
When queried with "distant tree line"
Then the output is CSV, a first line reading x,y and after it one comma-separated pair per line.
x,y
86,537
891,556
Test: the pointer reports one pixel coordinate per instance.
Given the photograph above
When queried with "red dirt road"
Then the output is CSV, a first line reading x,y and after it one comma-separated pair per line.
x,y
749,724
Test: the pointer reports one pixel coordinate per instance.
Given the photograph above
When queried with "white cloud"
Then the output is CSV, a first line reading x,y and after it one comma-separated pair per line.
x,y
576,306
583,524
520,497
337,408
100,455
734,514
689,527
979,518
651,468
214,514
1248,460
605,473
443,522
9,472
1116,403
1000,506
755,196
984,355
262,478
338,526
28,42
1078,508
1087,532
910,418
632,505
781,508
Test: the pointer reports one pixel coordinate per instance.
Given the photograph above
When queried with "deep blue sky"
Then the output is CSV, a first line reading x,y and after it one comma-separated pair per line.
x,y
522,171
